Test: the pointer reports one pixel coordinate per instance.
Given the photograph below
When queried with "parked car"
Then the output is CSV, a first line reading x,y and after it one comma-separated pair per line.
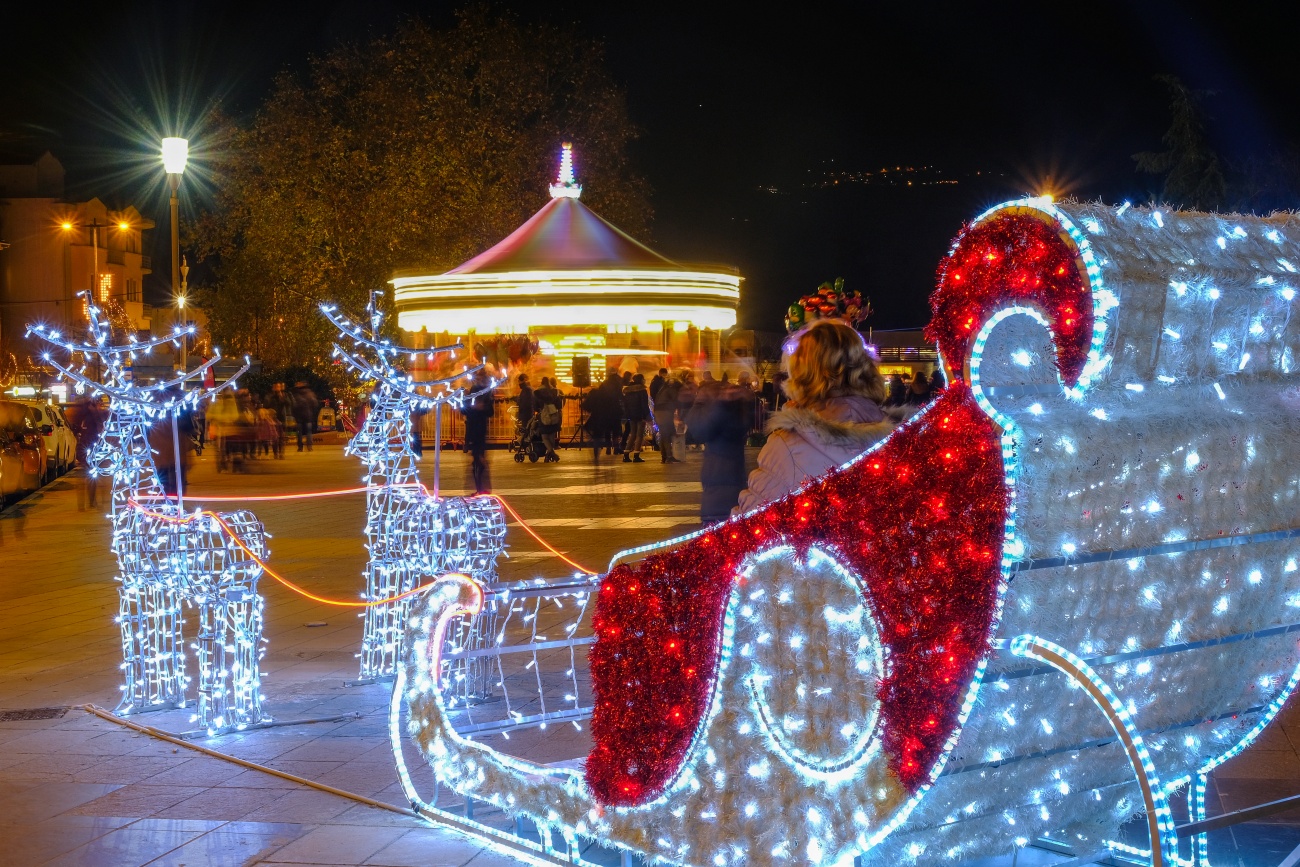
x,y
60,441
22,451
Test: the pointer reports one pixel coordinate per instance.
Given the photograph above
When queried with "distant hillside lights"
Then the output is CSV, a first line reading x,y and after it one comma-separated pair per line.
x,y
898,176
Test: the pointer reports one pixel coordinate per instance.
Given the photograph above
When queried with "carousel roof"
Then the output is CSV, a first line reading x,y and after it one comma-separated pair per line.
x,y
567,266
565,235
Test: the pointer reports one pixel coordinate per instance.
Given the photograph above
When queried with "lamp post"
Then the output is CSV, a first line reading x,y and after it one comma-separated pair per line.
x,y
180,305
175,152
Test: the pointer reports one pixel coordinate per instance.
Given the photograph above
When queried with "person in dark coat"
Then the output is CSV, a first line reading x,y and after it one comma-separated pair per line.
x,y
525,403
718,421
918,394
550,412
897,391
665,407
306,406
603,406
86,418
636,408
657,383
477,412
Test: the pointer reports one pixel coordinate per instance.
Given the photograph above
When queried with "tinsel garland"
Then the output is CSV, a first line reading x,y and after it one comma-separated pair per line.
x,y
921,519
1015,259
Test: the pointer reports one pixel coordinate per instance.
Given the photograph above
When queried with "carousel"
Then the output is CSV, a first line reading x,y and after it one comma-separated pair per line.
x,y
580,287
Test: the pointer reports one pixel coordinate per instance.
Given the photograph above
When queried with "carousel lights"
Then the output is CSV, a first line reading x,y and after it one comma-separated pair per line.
x,y
565,186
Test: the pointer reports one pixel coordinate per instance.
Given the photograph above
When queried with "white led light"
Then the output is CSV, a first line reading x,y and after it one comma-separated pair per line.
x,y
168,557
411,536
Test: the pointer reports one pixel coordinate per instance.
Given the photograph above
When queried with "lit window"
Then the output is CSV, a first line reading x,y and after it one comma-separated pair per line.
x,y
105,286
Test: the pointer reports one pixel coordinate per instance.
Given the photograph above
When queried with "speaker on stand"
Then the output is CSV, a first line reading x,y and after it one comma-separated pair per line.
x,y
581,377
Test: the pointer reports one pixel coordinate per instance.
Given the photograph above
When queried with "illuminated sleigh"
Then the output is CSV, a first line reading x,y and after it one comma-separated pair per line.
x,y
1065,590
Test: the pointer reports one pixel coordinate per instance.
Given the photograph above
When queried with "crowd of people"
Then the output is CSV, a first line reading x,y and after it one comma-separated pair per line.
x,y
242,426
828,404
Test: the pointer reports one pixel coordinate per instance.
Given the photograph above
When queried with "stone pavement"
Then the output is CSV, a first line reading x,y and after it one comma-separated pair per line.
x,y
76,789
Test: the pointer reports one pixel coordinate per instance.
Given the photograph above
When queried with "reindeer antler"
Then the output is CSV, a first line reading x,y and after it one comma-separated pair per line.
x,y
385,348
406,386
112,355
382,370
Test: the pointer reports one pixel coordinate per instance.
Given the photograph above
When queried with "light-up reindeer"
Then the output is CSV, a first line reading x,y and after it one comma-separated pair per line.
x,y
165,556
413,534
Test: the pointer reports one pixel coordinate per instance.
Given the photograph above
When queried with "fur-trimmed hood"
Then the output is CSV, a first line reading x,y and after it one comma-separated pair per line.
x,y
817,428
805,443
845,422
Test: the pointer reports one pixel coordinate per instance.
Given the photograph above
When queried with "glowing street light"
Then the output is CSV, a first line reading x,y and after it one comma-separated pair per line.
x,y
175,153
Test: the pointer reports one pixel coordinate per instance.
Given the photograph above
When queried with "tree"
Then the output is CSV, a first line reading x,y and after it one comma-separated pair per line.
x,y
416,151
1193,176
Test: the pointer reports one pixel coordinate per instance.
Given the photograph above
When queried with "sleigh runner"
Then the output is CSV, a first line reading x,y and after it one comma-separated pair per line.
x,y
1064,591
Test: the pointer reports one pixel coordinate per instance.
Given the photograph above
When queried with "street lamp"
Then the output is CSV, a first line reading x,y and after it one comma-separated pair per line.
x,y
175,152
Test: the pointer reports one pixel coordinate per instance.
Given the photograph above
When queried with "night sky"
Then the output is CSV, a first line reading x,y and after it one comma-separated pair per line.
x,y
747,117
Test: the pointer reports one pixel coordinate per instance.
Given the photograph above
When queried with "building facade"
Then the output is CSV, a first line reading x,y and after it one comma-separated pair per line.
x,y
52,249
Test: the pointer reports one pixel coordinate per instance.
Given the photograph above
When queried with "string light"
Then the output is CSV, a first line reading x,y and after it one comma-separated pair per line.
x,y
165,557
411,535
1149,530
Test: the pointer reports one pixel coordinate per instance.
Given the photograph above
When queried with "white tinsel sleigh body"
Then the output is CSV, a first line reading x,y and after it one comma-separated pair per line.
x,y
1151,533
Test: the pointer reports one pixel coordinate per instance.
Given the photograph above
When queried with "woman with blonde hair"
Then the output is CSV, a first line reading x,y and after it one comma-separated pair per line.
x,y
832,415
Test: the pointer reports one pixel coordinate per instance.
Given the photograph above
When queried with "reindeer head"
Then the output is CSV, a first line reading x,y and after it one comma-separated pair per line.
x,y
123,447
387,431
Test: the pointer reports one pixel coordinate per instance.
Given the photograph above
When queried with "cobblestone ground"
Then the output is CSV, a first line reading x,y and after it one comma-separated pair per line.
x,y
76,789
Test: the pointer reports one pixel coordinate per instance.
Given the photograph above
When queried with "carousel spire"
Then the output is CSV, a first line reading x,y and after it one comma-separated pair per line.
x,y
565,187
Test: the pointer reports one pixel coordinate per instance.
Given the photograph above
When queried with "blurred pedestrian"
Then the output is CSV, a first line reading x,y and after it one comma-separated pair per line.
x,y
636,408
897,391
171,440
477,413
665,411
718,421
603,405
918,393
686,396
550,414
86,418
305,408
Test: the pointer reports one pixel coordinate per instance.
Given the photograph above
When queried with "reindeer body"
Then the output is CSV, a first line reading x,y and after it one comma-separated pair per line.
x,y
411,535
166,558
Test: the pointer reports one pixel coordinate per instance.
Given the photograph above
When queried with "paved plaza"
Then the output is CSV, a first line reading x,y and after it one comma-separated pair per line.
x,y
79,789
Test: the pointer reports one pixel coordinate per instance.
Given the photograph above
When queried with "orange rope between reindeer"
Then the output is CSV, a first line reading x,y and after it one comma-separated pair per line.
x,y
185,519
182,519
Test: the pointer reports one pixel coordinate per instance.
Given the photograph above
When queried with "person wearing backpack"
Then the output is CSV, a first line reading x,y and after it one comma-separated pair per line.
x,y
665,408
550,412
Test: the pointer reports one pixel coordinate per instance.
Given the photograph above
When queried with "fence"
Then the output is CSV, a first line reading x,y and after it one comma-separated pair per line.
x,y
501,426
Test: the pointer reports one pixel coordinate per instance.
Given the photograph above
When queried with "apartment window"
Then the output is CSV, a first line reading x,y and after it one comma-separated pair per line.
x,y
105,287
132,290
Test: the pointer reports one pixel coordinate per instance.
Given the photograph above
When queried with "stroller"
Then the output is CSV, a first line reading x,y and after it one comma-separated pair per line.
x,y
528,441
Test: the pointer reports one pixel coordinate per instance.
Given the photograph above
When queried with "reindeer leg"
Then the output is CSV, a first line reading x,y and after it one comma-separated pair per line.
x,y
129,618
243,680
166,643
211,650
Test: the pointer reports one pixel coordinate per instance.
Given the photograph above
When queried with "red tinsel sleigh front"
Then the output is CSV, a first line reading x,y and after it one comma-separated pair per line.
x,y
920,520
